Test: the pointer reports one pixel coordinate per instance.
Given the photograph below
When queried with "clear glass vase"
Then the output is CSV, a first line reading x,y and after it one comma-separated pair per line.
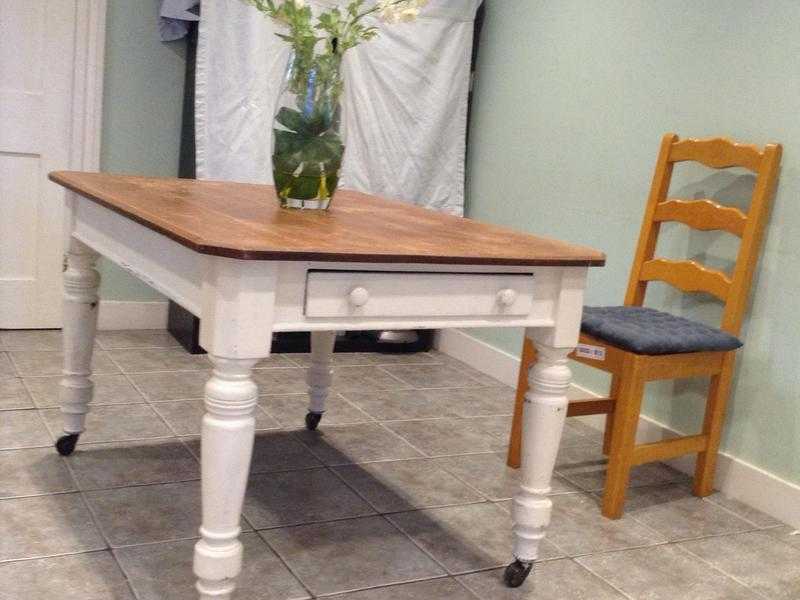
x,y
307,147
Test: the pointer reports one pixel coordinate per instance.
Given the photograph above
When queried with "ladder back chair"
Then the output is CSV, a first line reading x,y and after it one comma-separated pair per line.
x,y
637,344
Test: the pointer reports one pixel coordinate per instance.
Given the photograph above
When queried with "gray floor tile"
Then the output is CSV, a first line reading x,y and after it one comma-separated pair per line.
x,y
33,471
150,513
432,376
290,410
367,358
350,555
158,359
186,416
164,571
112,423
434,589
303,359
177,385
756,517
98,466
572,436
664,573
273,450
31,339
498,426
91,576
551,580
364,379
300,497
464,538
30,363
586,466
756,559
786,534
676,514
6,368
475,402
440,437
390,405
136,338
577,527
275,361
480,377
281,381
108,389
424,404
405,358
407,484
13,394
575,426
46,525
345,444
22,429
489,474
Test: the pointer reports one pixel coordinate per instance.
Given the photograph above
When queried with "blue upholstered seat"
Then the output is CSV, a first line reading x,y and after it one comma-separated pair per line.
x,y
649,331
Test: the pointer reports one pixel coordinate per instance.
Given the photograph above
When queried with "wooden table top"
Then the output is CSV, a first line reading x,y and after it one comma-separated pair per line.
x,y
244,221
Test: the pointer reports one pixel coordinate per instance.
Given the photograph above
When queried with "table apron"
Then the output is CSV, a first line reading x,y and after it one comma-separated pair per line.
x,y
181,274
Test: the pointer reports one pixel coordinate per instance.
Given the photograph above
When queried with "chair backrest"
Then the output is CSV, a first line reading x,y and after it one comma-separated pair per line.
x,y
706,214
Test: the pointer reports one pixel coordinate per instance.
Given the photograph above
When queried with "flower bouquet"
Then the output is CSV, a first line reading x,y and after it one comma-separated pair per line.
x,y
307,141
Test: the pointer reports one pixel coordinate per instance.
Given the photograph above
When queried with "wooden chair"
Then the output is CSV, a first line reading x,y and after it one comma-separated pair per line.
x,y
631,369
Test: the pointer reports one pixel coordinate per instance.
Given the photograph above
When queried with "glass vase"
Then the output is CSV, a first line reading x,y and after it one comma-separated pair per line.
x,y
307,147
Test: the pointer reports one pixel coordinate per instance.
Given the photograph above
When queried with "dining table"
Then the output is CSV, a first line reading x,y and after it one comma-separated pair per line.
x,y
228,253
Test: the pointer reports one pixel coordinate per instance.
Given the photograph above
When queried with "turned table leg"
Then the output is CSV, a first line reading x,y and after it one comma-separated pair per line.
x,y
544,412
319,376
226,448
81,281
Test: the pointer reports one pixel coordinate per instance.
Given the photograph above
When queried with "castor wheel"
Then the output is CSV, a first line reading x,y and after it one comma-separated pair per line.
x,y
516,573
66,443
312,420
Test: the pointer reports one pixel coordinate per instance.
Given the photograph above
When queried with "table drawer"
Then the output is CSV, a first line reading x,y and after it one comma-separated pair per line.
x,y
402,294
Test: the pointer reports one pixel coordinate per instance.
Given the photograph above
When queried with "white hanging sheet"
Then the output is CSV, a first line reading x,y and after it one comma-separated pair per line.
x,y
404,107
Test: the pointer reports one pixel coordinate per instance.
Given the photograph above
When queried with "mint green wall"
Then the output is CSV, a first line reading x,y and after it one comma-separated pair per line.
x,y
572,98
142,104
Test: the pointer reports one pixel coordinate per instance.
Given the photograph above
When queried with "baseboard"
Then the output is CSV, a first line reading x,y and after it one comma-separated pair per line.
x,y
478,354
736,478
116,314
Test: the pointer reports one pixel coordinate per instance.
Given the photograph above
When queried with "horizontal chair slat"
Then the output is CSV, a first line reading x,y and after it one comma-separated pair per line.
x,y
590,406
688,276
704,214
717,153
669,449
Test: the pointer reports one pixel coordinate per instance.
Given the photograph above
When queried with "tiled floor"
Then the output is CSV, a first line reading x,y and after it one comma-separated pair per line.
x,y
401,495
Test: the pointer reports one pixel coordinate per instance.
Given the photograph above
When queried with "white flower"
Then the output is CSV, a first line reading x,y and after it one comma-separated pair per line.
x,y
299,3
391,11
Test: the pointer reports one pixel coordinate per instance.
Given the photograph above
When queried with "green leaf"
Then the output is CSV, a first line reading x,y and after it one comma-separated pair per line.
x,y
305,188
290,118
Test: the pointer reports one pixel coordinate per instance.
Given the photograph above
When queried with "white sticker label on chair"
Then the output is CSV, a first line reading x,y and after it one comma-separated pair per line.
x,y
590,352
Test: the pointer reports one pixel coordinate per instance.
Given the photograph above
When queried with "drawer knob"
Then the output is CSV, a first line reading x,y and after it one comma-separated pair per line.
x,y
506,297
359,296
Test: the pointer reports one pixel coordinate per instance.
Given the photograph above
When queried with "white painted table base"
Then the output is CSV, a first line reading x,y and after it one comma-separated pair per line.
x,y
241,303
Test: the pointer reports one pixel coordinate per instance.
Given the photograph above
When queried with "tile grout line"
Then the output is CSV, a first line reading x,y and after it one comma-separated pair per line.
x,y
733,512
144,396
603,579
382,586
721,571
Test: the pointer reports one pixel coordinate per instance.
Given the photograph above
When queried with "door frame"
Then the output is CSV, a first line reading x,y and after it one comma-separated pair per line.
x,y
87,89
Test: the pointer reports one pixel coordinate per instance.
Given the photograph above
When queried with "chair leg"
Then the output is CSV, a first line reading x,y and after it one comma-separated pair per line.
x,y
609,428
625,420
712,427
515,441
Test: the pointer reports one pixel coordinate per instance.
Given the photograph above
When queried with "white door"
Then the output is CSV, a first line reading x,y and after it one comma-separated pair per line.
x,y
41,74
